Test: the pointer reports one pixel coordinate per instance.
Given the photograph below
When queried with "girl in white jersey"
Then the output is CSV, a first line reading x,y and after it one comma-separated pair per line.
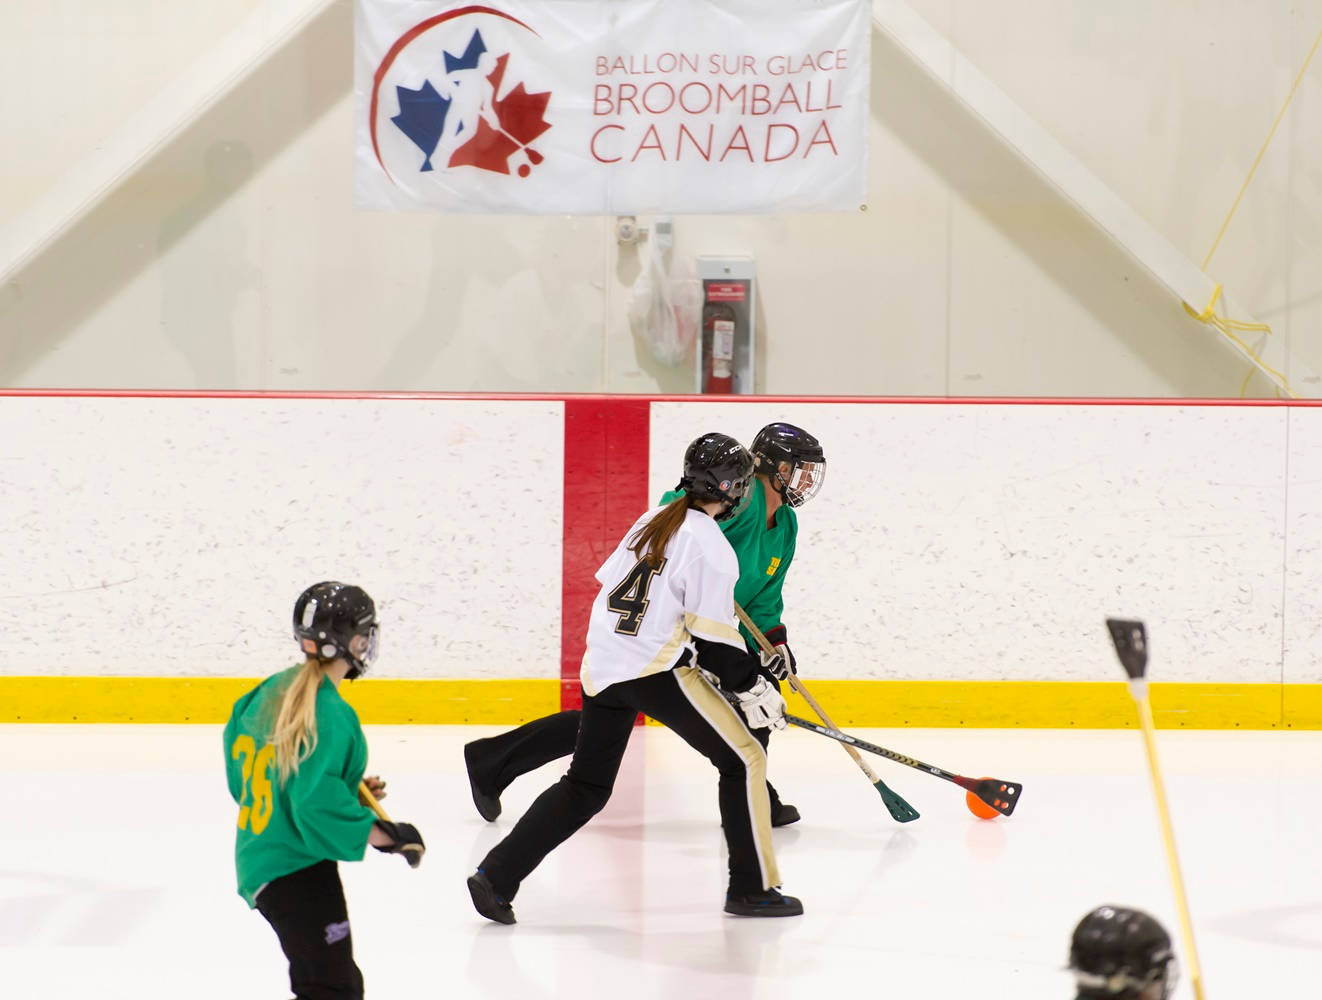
x,y
666,604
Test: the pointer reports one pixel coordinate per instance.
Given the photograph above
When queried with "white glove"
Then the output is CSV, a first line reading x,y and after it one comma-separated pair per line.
x,y
762,705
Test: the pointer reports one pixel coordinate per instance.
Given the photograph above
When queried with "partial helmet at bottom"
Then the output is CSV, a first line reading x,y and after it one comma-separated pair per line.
x,y
1122,954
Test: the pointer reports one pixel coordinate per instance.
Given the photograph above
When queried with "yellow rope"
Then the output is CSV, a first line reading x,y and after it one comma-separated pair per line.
x,y
1263,151
1209,314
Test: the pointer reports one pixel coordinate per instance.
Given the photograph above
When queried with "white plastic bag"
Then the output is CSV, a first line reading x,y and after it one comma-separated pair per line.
x,y
663,309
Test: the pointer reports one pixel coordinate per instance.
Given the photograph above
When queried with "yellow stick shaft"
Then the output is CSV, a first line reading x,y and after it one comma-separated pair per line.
x,y
1172,860
797,685
371,801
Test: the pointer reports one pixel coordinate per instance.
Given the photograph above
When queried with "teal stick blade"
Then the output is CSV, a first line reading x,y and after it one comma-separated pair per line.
x,y
900,810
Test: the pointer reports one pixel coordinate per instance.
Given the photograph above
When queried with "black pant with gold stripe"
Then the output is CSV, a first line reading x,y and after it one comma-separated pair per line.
x,y
683,701
495,761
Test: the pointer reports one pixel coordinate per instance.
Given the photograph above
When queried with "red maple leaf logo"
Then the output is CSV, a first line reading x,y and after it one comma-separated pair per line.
x,y
522,120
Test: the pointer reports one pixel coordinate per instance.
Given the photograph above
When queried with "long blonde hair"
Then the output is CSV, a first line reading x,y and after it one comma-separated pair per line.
x,y
649,542
295,730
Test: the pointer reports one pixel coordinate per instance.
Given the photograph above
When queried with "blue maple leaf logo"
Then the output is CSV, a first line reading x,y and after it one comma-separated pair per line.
x,y
471,54
422,112
422,117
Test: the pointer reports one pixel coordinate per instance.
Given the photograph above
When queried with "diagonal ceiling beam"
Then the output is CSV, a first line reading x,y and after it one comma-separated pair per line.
x,y
214,74
1076,183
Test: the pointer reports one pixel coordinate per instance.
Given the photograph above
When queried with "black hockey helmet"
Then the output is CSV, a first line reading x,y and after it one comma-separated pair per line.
x,y
781,442
717,467
326,618
1122,953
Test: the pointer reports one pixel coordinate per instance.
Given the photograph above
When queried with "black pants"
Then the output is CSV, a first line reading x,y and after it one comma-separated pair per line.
x,y
692,708
498,760
306,908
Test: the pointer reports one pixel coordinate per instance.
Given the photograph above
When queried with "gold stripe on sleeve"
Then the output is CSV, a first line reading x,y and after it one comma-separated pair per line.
x,y
713,630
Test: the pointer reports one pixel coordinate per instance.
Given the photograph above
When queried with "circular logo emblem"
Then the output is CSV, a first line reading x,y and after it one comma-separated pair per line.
x,y
451,92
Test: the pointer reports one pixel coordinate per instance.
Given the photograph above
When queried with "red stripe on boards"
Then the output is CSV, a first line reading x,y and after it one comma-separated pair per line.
x,y
606,447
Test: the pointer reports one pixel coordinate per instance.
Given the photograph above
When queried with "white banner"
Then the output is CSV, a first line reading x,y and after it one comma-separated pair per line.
x,y
612,107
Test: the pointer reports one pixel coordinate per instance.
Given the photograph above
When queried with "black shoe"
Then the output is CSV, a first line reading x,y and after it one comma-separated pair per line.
x,y
488,803
784,815
487,901
762,904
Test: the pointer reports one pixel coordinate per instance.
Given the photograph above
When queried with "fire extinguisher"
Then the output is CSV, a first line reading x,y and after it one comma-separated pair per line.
x,y
718,323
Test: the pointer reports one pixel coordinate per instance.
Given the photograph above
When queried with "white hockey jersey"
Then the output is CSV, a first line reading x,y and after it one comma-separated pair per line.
x,y
645,617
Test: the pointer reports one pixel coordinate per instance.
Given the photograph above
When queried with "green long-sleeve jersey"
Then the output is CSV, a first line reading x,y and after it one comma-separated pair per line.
x,y
315,816
764,556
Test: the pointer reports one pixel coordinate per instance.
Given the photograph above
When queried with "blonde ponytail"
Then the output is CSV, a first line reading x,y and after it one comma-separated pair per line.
x,y
295,731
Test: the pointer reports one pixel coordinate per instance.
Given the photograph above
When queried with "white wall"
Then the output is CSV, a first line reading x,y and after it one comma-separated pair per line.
x,y
167,537
990,542
956,541
236,260
73,72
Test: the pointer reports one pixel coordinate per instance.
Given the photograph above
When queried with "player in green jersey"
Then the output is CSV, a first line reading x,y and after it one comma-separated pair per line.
x,y
294,757
790,469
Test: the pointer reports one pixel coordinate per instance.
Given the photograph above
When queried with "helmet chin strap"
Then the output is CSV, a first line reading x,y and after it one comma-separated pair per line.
x,y
779,486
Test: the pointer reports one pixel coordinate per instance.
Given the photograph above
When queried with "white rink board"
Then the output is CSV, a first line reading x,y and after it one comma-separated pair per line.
x,y
164,537
1303,585
961,541
977,541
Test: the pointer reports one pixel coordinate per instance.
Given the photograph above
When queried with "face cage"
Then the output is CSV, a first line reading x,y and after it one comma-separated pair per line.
x,y
373,647
804,482
360,664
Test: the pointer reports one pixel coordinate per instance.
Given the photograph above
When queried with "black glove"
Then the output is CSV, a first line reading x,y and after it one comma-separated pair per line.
x,y
782,663
405,839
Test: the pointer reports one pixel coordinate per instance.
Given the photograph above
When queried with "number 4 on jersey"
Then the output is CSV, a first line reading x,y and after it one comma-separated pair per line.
x,y
629,599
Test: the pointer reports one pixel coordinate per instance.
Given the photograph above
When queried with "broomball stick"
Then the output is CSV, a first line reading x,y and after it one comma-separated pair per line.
x,y
412,854
1131,646
899,809
993,795
1001,796
372,803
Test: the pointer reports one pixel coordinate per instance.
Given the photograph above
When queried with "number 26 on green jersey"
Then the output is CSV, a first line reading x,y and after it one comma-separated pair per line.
x,y
257,801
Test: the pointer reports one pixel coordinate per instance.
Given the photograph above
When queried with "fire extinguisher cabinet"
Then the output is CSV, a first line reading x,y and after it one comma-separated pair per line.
x,y
725,348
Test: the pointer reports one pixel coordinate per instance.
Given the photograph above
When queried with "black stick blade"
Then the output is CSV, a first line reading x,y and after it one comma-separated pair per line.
x,y
1131,645
900,810
1002,796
